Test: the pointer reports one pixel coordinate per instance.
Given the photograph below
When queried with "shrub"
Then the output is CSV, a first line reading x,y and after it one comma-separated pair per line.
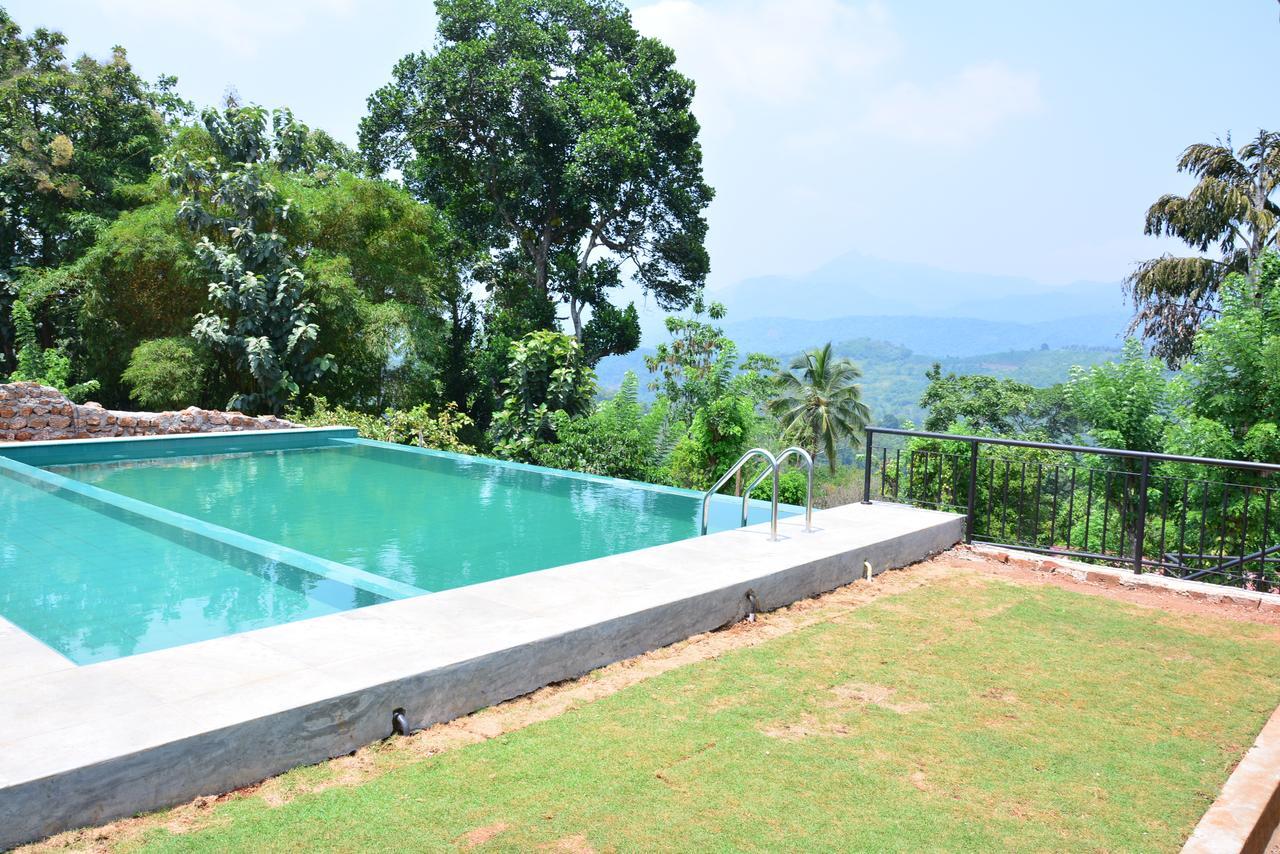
x,y
716,438
618,439
418,426
791,488
166,373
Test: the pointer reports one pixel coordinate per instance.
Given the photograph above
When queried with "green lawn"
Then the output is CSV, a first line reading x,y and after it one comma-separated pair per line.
x,y
968,714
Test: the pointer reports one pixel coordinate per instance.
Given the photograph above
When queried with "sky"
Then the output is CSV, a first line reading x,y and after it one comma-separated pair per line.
x,y
990,136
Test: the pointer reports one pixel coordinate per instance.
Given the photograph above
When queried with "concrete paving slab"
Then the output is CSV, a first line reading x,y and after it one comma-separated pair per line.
x,y
22,657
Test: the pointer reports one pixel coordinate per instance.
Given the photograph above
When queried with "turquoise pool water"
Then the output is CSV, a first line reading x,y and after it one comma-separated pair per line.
x,y
96,583
138,554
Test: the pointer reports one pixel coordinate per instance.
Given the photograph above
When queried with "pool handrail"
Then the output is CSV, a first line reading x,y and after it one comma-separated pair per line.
x,y
733,469
807,459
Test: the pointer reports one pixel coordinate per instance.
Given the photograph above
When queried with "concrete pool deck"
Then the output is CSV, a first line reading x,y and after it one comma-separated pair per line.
x,y
81,745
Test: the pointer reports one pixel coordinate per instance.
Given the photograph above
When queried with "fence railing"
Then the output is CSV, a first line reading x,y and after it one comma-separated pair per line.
x,y
1190,517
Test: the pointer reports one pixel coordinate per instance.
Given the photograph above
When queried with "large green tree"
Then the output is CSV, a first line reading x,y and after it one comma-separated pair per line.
x,y
818,402
978,401
563,142
75,136
383,271
1231,213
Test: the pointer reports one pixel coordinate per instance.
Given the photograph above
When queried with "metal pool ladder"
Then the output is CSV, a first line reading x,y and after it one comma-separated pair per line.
x,y
774,467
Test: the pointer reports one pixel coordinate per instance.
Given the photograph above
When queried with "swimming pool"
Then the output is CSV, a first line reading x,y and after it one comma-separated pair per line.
x,y
119,547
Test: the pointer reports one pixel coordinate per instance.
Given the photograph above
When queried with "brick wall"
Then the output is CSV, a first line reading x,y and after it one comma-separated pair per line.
x,y
31,412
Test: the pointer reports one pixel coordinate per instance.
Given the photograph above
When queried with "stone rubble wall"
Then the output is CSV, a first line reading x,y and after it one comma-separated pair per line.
x,y
32,412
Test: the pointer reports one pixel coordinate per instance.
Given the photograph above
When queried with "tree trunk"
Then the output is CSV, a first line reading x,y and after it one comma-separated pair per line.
x,y
575,314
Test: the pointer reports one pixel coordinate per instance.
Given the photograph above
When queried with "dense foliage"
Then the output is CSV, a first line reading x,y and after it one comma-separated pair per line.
x,y
39,364
420,426
547,376
619,438
75,138
167,373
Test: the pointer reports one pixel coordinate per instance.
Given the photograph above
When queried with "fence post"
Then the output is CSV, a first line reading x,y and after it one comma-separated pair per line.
x,y
1140,534
971,517
866,469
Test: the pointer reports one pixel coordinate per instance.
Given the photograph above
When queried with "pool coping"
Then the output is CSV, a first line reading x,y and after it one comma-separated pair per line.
x,y
46,452
84,745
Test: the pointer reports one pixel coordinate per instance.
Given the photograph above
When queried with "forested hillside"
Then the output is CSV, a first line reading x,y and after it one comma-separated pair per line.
x,y
893,376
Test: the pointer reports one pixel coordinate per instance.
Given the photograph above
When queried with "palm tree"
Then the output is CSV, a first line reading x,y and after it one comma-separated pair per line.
x,y
818,402
1229,209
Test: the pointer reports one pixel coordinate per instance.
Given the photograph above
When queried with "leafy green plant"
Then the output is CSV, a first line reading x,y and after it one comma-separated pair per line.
x,y
261,321
717,437
618,439
697,364
167,373
792,488
46,366
546,375
1234,376
1124,403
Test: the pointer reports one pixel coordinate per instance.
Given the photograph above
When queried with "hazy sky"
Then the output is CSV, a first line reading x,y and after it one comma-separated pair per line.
x,y
1022,138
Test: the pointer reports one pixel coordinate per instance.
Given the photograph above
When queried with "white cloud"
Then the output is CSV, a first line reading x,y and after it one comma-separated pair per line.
x,y
771,49
752,55
815,115
812,72
956,110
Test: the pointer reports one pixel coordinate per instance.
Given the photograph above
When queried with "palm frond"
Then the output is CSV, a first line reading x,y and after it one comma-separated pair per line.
x,y
1215,161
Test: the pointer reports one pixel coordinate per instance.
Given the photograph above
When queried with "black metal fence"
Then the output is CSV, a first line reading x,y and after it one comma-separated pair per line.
x,y
1190,517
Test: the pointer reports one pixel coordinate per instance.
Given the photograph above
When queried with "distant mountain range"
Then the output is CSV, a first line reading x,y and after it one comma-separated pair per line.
x,y
914,306
854,285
